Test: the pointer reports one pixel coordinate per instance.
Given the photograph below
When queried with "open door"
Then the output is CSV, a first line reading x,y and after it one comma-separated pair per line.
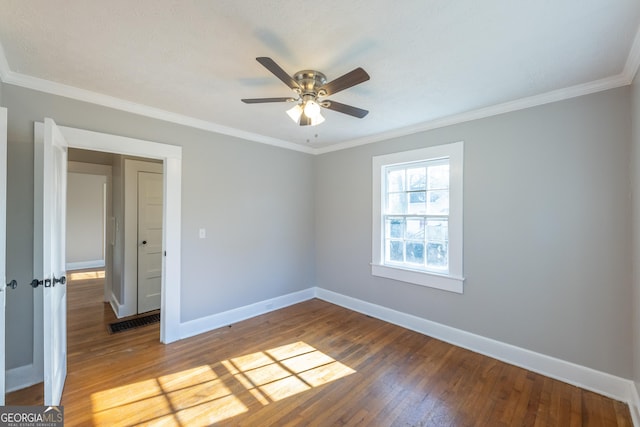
x,y
3,219
54,173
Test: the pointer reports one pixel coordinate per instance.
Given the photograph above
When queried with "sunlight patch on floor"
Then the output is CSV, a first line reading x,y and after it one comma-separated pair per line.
x,y
86,275
211,393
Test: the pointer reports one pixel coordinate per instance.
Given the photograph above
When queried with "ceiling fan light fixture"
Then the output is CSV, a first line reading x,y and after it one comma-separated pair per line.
x,y
316,120
304,116
312,109
295,113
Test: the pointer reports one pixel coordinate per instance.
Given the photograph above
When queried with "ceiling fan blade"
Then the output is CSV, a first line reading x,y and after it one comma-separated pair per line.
x,y
263,100
352,78
344,108
271,65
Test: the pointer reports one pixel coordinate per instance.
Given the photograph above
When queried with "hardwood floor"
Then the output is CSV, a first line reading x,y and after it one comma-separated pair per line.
x,y
311,364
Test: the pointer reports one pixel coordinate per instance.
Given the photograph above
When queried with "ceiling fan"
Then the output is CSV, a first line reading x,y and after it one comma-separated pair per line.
x,y
310,86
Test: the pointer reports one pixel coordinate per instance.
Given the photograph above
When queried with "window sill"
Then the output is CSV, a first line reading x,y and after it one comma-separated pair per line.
x,y
431,280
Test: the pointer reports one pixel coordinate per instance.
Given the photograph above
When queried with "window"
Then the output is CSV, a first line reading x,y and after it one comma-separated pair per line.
x,y
417,216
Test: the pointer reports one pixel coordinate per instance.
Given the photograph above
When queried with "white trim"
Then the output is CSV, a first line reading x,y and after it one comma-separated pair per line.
x,y
481,113
116,306
81,265
47,86
623,79
590,379
108,143
581,376
172,175
214,321
633,60
422,278
22,377
634,405
451,280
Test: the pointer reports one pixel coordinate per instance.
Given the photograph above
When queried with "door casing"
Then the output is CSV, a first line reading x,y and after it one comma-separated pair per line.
x,y
171,156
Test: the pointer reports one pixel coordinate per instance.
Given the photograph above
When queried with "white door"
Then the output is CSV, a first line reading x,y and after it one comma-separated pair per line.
x,y
54,201
149,241
3,218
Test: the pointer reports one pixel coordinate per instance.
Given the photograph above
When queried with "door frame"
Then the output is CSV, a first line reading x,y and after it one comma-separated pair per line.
x,y
171,156
106,171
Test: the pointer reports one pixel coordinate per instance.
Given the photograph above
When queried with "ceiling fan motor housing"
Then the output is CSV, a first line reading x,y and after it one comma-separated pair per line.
x,y
310,82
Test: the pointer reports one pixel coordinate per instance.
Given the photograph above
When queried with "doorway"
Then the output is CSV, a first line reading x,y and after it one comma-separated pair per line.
x,y
171,157
97,221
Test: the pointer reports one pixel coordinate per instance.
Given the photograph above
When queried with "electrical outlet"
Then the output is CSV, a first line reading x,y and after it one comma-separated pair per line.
x,y
202,233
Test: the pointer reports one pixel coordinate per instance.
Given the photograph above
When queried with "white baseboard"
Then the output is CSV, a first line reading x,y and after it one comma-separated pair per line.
x,y
205,324
81,265
116,306
590,379
634,405
21,377
618,388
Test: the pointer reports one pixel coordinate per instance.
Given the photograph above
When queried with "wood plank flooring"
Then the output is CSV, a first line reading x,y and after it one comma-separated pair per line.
x,y
311,364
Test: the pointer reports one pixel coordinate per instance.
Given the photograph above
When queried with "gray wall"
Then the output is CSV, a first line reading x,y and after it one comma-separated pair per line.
x,y
254,200
85,217
635,182
547,219
547,214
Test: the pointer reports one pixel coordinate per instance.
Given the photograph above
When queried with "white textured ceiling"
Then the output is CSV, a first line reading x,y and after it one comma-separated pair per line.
x,y
429,60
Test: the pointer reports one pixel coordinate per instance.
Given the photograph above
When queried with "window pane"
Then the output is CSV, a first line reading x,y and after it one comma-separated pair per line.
x,y
395,252
397,203
437,255
394,228
415,229
438,231
437,243
438,177
395,180
417,202
415,252
417,178
438,202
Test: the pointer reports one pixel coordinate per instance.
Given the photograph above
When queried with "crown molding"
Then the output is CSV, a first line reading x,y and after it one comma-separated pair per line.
x,y
78,94
625,78
633,60
493,110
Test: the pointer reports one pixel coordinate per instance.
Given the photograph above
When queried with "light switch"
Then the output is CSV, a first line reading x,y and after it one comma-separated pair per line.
x,y
203,233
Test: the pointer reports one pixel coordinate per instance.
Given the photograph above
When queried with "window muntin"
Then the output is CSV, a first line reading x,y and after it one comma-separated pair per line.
x,y
416,215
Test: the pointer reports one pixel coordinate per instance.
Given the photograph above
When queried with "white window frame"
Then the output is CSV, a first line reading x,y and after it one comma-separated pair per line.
x,y
452,281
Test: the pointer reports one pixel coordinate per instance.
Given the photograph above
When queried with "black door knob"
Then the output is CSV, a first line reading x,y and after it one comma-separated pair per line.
x,y
144,242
